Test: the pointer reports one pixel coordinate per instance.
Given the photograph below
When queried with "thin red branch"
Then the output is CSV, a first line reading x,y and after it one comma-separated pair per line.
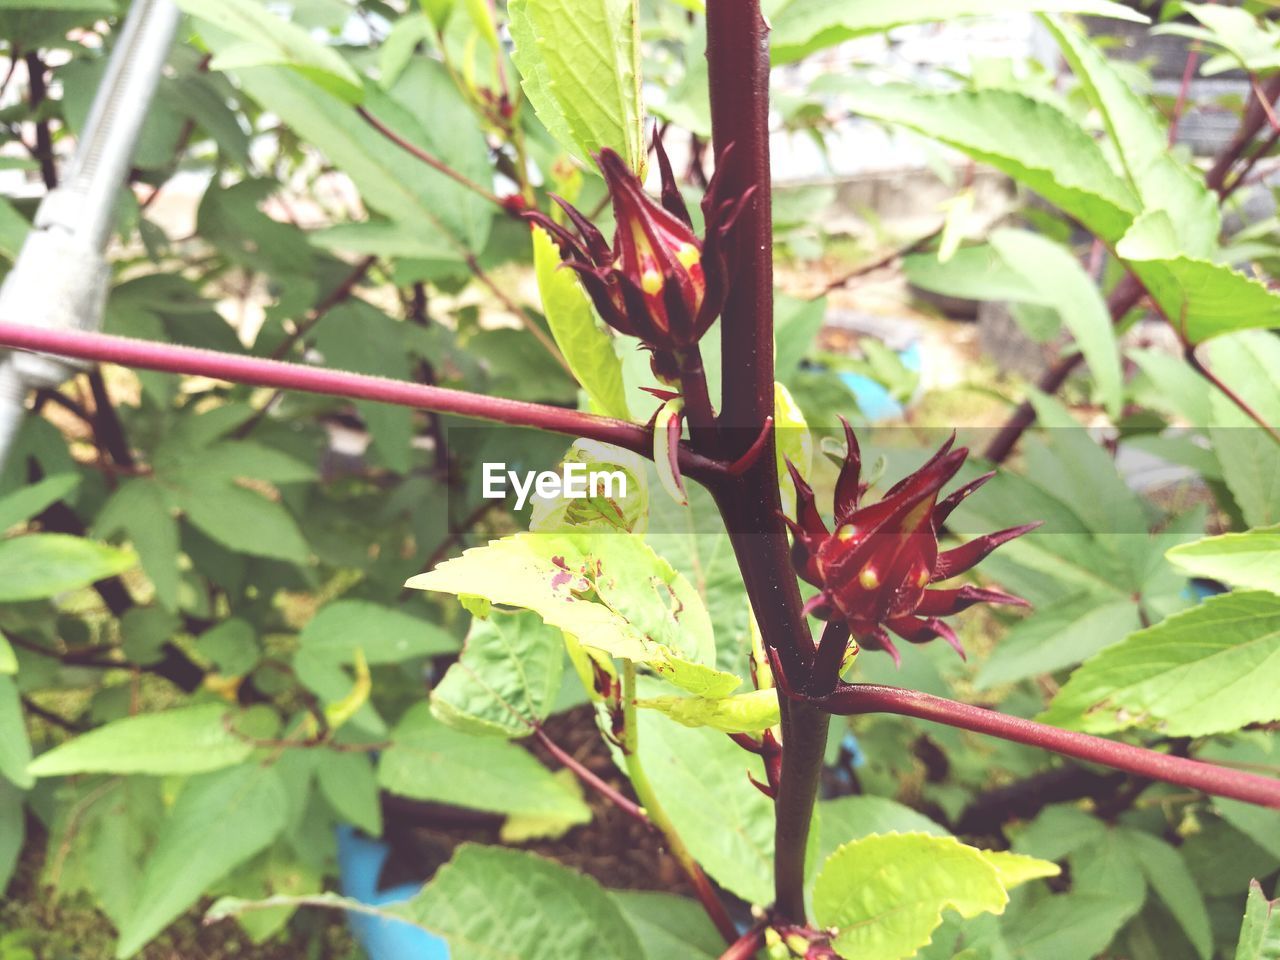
x,y
610,793
863,698
1180,105
747,945
431,160
169,358
1189,352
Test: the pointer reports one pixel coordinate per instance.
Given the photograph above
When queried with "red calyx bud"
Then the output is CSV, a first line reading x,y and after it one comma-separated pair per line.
x,y
874,571
658,282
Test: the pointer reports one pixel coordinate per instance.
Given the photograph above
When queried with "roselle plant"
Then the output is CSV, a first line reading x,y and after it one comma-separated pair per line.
x,y
222,637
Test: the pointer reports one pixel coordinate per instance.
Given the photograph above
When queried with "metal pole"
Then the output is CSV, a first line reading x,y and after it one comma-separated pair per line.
x,y
61,275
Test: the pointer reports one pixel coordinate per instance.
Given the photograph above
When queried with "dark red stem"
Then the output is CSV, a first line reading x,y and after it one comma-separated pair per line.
x,y
861,698
169,358
747,945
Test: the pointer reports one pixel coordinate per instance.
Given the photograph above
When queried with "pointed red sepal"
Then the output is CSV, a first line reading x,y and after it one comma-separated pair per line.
x,y
917,630
957,561
944,603
672,199
849,488
952,500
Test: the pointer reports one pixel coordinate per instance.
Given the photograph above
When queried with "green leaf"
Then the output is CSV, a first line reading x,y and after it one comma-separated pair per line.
x,y
742,713
473,899
265,38
1030,140
1251,43
22,505
700,778
669,926
506,680
1161,180
1201,298
605,512
102,6
219,821
579,64
390,180
15,748
885,894
41,565
232,646
191,739
586,345
1260,932
430,761
1249,559
1064,285
8,659
852,818
13,829
348,782
1070,926
383,634
241,520
140,509
1167,874
1206,670
611,592
1250,458
803,26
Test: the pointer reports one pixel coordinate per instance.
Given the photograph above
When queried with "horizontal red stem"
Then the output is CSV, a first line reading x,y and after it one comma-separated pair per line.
x,y
169,358
861,698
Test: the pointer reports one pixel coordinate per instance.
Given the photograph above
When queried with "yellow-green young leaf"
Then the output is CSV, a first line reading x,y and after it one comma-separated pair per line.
x,y
579,63
605,509
194,739
885,894
1210,669
743,713
612,593
1260,933
1030,140
483,19
666,434
381,634
1014,869
792,442
438,12
1249,559
1201,298
586,345
803,26
266,39
338,713
41,565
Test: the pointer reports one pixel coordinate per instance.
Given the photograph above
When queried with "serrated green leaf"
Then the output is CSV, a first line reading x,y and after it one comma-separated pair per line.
x,y
669,926
803,26
587,347
241,520
1167,874
611,592
41,565
192,739
1249,559
265,38
1030,140
521,828
1201,298
1250,458
1206,670
1161,180
506,679
742,713
430,761
232,646
1260,932
1065,286
1015,869
579,62
219,821
885,894
851,818
383,634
